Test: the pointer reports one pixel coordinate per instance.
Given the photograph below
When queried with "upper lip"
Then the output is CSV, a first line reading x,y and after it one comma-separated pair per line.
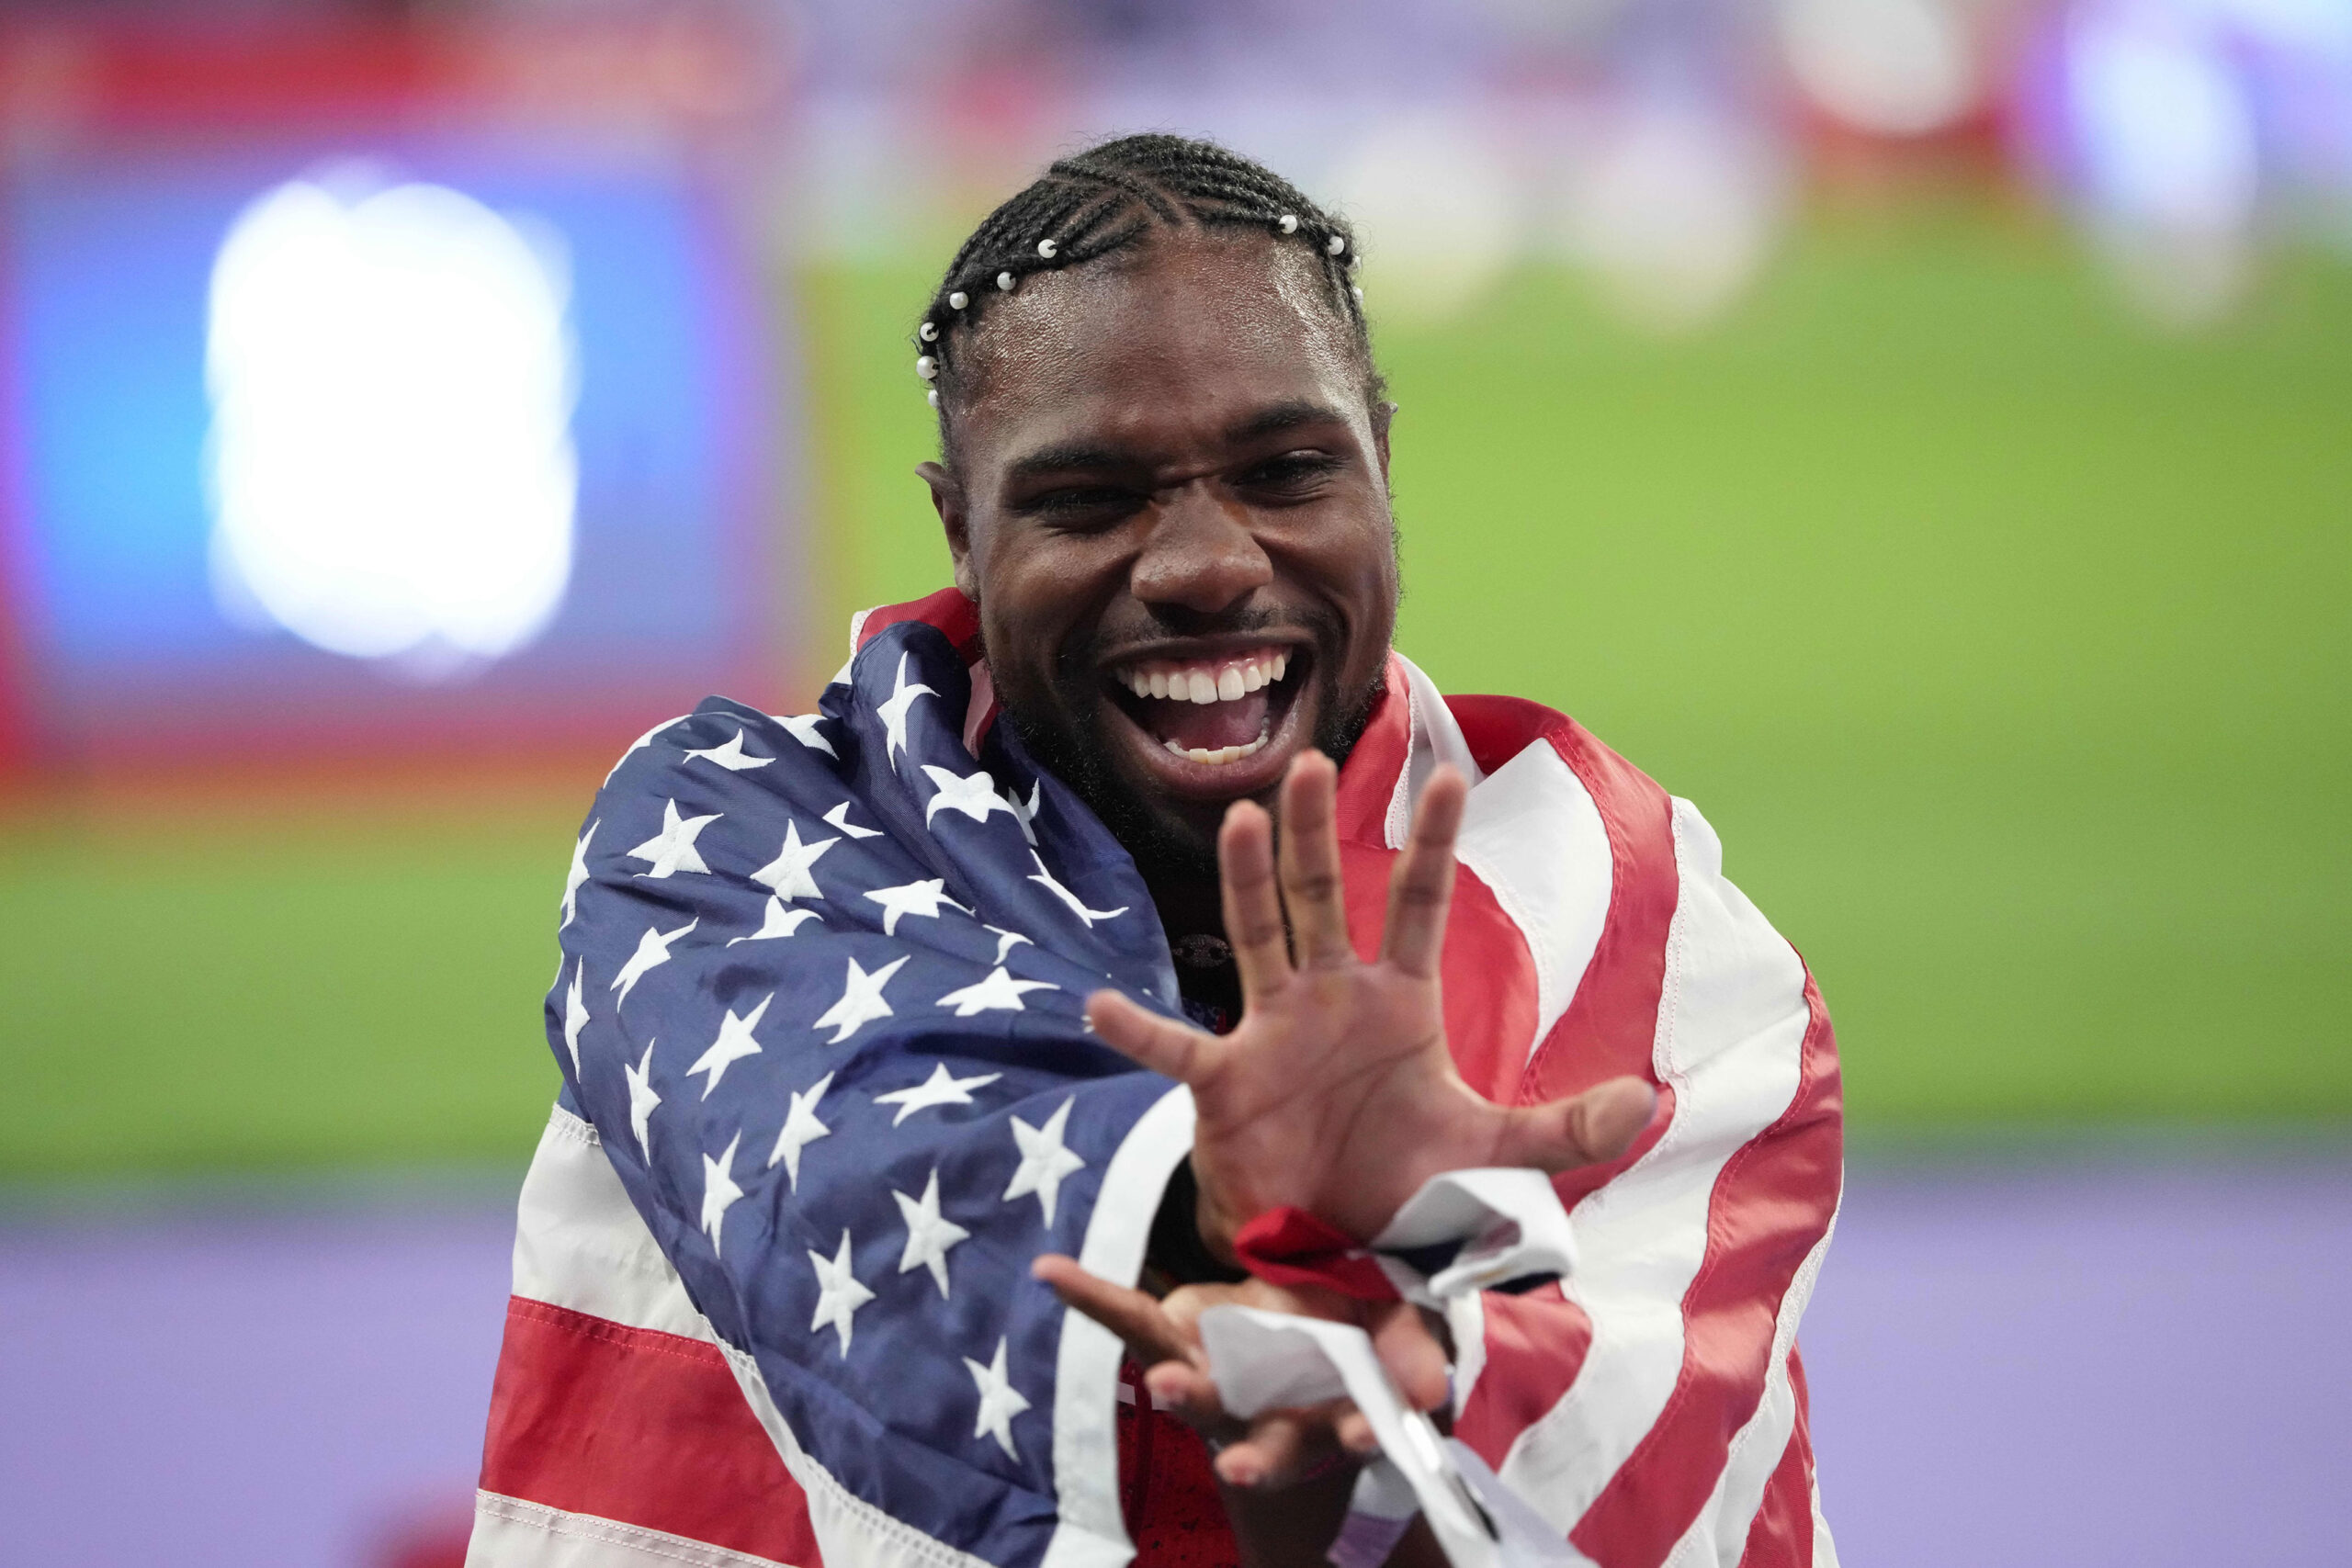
x,y
1181,650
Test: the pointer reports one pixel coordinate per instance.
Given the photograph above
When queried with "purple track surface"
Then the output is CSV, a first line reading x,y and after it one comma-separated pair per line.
x,y
2101,1363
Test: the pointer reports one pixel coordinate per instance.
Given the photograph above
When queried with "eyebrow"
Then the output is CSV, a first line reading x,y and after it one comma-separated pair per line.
x,y
1080,456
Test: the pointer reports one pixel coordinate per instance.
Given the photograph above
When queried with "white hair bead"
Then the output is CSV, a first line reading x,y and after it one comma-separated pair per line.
x,y
1289,222
933,395
927,368
1004,282
959,300
1046,248
929,332
1356,290
1336,243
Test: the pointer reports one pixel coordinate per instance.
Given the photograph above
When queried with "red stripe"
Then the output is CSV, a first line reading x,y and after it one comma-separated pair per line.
x,y
594,1416
1782,1535
1771,1203
947,609
1536,1343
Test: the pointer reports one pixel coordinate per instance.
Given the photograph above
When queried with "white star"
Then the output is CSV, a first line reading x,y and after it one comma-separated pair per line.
x,y
839,1295
780,920
801,1129
575,1015
1044,1160
672,849
1006,942
839,818
894,711
788,873
718,1188
803,729
928,1236
1045,879
915,898
731,756
999,992
642,741
861,1002
734,1043
975,796
575,876
940,1089
641,1100
1000,1403
652,950
1025,812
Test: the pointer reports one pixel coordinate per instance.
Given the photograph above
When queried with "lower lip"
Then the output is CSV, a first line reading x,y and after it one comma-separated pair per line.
x,y
1179,776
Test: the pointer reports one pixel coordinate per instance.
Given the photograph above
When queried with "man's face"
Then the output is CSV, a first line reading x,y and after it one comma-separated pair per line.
x,y
1172,505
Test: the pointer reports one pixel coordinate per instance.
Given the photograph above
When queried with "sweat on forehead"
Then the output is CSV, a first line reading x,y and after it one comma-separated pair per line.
x,y
1182,304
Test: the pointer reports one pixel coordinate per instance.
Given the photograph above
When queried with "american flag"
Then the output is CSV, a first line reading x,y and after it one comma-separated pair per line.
x,y
827,1093
822,986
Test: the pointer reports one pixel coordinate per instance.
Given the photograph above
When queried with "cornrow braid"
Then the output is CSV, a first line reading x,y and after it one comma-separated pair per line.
x,y
1108,197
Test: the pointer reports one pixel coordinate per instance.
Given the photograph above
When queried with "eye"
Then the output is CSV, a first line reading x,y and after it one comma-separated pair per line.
x,y
1081,506
1292,475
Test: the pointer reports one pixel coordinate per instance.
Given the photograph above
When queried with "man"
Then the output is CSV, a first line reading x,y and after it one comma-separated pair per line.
x,y
840,1133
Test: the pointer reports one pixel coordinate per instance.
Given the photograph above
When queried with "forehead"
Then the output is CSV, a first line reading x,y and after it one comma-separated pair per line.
x,y
1175,339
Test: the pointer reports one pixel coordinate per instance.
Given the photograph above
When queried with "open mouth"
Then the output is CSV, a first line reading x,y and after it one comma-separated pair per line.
x,y
1213,712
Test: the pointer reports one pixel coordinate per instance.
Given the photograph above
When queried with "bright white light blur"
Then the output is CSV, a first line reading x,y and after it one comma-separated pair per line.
x,y
1436,211
1889,67
392,462
2170,160
1674,213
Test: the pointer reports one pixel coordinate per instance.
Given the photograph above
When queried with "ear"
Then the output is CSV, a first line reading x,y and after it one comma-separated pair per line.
x,y
948,499
1382,417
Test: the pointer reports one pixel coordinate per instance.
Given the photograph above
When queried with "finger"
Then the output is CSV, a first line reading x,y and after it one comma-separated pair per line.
x,y
1313,889
1590,1129
1183,1053
1281,1447
1422,885
1187,1392
1150,1337
1254,903
1414,1360
1353,1430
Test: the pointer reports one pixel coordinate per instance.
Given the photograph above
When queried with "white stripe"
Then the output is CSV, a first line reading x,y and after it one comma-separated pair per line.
x,y
1825,1550
580,1244
1431,737
1720,1532
1092,1532
1731,1025
512,1533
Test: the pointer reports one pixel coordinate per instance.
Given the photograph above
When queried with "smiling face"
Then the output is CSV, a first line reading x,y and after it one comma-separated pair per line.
x,y
1169,500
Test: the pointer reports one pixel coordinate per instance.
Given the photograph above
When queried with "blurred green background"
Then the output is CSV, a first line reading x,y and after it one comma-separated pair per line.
x,y
2003,637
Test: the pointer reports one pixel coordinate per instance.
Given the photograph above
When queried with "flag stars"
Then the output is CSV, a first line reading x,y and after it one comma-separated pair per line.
x,y
802,726
575,878
1025,812
575,1016
780,920
672,849
894,710
839,818
642,1100
999,1401
1046,880
734,1043
975,796
861,1002
653,951
731,756
1045,1160
839,1294
720,1192
997,992
941,1088
787,875
922,898
1006,941
801,1129
929,1234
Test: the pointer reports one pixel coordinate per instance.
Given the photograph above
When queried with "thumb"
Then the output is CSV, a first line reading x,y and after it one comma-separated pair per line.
x,y
1591,1128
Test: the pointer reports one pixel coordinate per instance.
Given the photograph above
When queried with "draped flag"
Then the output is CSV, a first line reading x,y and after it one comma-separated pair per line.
x,y
828,1091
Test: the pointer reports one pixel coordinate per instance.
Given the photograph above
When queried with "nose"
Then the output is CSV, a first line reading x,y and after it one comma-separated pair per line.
x,y
1199,555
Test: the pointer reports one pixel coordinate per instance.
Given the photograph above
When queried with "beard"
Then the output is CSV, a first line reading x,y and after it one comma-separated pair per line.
x,y
1065,736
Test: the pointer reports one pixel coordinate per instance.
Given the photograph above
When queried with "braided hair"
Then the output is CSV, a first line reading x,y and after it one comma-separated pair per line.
x,y
1109,198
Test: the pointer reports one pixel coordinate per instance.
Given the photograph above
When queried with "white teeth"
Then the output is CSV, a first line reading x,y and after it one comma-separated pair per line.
x,y
1228,685
1282,665
1222,753
1203,689
1252,678
1158,685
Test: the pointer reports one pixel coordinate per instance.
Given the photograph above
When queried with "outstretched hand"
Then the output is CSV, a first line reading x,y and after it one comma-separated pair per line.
x,y
1337,1093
